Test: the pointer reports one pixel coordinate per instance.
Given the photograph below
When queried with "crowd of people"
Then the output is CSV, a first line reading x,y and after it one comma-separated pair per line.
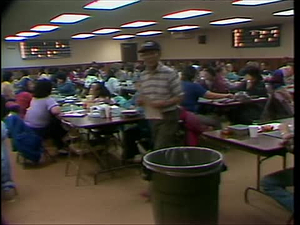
x,y
170,90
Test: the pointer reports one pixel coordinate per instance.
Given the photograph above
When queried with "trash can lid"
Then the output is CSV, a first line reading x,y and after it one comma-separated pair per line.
x,y
184,161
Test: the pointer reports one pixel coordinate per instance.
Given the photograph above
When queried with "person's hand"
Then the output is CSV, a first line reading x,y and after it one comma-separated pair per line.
x,y
230,95
158,103
140,100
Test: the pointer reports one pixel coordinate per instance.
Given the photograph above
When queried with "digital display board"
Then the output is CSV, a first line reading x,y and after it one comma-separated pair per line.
x,y
259,36
45,49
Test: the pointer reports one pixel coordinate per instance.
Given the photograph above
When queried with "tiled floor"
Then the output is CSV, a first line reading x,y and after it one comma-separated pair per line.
x,y
46,196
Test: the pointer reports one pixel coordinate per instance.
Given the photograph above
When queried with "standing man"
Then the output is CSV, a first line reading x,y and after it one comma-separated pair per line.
x,y
160,95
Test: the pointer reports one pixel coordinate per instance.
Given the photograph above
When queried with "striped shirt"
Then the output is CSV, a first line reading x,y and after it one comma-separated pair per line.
x,y
161,84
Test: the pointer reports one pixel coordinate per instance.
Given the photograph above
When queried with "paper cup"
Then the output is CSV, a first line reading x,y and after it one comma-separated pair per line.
x,y
253,131
107,111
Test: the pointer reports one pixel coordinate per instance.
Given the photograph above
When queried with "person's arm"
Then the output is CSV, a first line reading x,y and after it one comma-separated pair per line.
x,y
55,110
53,107
213,95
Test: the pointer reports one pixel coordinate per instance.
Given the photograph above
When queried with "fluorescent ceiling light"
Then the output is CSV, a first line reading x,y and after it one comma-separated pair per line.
x,y
230,21
139,23
14,38
183,27
82,36
109,4
69,18
253,2
187,14
44,28
106,31
123,36
27,34
149,33
289,12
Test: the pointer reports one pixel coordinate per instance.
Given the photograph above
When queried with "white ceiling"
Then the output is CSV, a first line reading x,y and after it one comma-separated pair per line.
x,y
21,15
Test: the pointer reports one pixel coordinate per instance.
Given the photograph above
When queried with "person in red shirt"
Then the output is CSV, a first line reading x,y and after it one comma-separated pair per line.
x,y
24,95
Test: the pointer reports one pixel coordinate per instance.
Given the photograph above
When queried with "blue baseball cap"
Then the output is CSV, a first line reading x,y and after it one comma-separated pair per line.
x,y
148,46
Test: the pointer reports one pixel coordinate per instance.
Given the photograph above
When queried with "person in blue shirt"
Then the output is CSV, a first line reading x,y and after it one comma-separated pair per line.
x,y
192,91
64,86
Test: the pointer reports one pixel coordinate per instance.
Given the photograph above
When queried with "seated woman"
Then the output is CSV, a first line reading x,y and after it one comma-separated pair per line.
x,y
281,76
213,80
253,85
192,91
98,93
196,123
64,86
230,74
41,115
24,95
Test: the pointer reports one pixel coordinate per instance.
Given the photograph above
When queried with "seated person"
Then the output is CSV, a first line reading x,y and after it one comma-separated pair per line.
x,y
98,93
264,69
41,115
91,77
253,85
213,80
192,91
275,184
24,95
112,83
64,86
230,74
280,76
7,89
8,92
279,105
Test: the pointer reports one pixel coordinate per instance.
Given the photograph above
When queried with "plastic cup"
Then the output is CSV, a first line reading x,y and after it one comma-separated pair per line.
x,y
253,131
107,111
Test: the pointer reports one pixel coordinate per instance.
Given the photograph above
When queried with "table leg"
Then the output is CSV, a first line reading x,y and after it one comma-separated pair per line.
x,y
258,176
258,172
284,161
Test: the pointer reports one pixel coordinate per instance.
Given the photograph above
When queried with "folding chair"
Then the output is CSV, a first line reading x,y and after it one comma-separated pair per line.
x,y
79,146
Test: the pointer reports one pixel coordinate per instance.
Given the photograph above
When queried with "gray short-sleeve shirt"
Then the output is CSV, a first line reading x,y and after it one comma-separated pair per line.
x,y
38,114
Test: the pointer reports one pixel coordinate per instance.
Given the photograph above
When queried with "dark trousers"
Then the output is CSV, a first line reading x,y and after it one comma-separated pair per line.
x,y
138,132
164,130
54,131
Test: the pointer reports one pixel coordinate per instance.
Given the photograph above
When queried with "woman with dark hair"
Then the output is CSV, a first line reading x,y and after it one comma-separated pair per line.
x,y
64,86
196,123
214,80
41,115
8,188
24,95
253,85
192,91
98,93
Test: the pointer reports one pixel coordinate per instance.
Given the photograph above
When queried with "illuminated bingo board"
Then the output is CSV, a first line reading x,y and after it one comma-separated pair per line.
x,y
45,49
262,36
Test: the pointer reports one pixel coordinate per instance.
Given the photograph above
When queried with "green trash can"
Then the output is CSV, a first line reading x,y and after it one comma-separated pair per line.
x,y
184,185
